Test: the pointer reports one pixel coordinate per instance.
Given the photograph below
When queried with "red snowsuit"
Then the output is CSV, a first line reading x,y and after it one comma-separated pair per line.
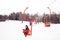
x,y
26,31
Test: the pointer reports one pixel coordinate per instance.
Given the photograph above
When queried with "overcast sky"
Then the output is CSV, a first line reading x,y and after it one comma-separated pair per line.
x,y
40,6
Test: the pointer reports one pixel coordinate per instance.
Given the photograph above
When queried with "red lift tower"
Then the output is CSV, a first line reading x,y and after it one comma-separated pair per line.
x,y
47,24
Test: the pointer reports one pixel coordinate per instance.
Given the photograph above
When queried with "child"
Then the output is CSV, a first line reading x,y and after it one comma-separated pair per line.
x,y
26,31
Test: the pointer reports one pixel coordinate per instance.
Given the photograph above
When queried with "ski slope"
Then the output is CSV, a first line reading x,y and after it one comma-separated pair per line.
x,y
12,30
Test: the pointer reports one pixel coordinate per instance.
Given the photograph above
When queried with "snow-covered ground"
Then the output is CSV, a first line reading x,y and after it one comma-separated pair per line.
x,y
12,30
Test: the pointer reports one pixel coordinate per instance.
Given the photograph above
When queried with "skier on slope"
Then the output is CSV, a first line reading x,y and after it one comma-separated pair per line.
x,y
30,23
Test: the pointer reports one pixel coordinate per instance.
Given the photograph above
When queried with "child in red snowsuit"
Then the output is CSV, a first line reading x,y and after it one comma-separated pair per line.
x,y
26,31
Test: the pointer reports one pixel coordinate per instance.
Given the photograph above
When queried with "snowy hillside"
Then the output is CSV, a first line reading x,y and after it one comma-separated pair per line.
x,y
12,30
